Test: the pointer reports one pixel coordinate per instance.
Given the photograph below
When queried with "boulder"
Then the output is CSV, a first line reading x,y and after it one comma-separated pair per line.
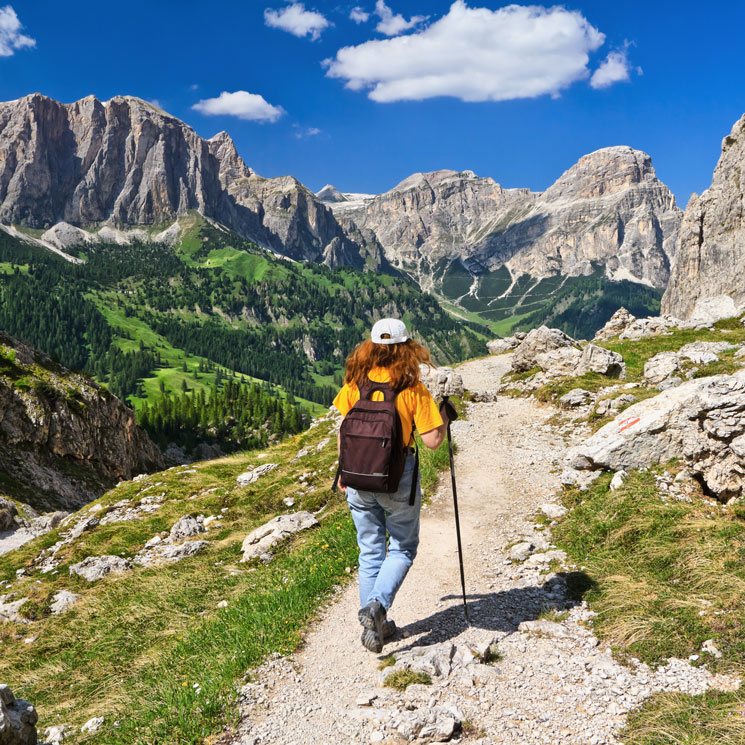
x,y
521,551
9,611
539,341
575,397
168,553
8,512
96,567
18,719
259,542
442,381
62,601
603,361
500,346
553,511
617,324
249,477
560,363
643,327
185,527
613,405
702,421
617,481
660,367
704,352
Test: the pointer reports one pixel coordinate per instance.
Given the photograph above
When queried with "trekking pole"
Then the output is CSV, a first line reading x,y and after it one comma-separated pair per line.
x,y
457,520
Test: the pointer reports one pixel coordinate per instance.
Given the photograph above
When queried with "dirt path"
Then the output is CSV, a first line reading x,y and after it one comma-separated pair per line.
x,y
553,684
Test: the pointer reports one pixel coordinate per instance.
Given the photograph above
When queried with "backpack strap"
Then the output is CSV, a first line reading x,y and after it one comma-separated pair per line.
x,y
414,478
369,387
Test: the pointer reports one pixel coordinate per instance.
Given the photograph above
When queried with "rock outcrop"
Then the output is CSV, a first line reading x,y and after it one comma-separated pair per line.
x,y
701,421
539,342
63,439
710,260
609,209
126,162
18,719
259,542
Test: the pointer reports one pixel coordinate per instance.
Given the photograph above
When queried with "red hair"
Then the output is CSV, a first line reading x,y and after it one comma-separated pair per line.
x,y
401,360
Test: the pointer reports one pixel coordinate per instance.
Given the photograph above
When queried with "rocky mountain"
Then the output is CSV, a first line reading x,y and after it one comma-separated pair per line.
x,y
64,439
125,162
710,262
609,209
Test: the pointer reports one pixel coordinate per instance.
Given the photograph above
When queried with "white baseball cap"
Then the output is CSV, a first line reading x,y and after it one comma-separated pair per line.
x,y
395,329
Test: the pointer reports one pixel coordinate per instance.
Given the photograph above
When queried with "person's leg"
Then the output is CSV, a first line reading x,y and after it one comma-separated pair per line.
x,y
402,524
369,519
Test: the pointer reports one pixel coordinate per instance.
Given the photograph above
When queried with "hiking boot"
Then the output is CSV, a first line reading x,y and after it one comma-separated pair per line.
x,y
372,617
389,628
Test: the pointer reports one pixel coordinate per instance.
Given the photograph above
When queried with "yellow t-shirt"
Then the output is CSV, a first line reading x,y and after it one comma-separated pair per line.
x,y
414,404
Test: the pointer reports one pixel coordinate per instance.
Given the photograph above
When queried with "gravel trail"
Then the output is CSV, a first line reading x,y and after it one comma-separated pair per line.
x,y
552,682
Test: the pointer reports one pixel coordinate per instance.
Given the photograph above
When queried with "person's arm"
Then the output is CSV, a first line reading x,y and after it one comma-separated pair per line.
x,y
435,437
340,486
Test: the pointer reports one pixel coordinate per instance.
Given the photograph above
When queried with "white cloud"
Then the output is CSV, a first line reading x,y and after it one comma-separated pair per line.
x,y
474,54
392,25
194,87
302,132
11,38
614,69
298,21
358,15
242,104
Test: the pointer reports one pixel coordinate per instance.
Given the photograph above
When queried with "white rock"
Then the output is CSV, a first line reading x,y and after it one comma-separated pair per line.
x,y
92,725
500,346
575,397
538,341
261,540
617,481
95,567
168,553
249,477
62,601
521,551
185,527
702,421
660,367
9,609
711,648
617,324
553,511
704,352
55,735
708,310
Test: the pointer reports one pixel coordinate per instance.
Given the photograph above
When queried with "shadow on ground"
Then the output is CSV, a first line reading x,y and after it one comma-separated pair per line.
x,y
498,611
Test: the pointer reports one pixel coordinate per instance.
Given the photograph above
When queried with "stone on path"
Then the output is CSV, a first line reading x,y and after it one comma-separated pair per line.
x,y
575,397
96,567
553,511
500,346
259,542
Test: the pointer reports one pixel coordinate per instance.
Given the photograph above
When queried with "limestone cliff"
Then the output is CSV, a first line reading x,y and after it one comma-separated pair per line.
x,y
64,440
126,162
609,208
710,261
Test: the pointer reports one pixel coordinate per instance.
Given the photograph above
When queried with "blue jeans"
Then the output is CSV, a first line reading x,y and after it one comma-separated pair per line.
x,y
375,514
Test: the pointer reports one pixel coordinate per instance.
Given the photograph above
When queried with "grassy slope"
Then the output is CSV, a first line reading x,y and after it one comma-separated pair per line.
x,y
668,576
134,646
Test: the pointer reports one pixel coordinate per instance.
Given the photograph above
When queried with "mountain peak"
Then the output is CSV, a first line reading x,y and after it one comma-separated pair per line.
x,y
330,193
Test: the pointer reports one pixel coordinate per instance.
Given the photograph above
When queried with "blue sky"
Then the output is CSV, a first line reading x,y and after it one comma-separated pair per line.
x,y
445,91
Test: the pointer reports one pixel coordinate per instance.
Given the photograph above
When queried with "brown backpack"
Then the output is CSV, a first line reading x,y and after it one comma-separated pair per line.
x,y
372,453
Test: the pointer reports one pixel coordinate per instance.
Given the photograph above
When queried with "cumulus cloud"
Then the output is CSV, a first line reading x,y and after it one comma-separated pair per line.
x,y
392,25
242,104
474,54
11,38
614,69
298,21
358,15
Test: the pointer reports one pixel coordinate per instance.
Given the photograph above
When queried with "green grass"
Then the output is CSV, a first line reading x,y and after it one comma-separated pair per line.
x,y
402,679
665,576
388,661
133,647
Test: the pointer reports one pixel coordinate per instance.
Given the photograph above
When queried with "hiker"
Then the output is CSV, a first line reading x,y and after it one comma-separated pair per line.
x,y
385,368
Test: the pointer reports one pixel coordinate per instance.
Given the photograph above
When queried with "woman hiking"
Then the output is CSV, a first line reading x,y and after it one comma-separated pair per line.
x,y
385,368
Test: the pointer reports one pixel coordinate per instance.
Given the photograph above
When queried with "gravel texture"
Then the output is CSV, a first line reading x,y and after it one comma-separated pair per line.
x,y
516,676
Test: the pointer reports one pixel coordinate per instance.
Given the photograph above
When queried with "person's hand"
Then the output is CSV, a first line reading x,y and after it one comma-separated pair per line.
x,y
447,411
